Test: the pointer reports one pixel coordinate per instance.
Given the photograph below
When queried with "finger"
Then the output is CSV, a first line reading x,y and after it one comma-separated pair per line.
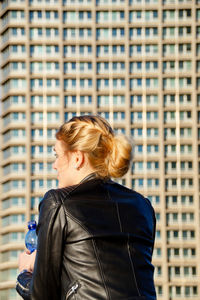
x,y
21,255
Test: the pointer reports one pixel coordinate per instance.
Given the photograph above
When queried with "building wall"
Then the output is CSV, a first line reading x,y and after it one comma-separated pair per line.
x,y
137,64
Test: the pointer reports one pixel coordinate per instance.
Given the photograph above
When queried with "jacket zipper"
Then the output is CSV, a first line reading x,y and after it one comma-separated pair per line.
x,y
72,290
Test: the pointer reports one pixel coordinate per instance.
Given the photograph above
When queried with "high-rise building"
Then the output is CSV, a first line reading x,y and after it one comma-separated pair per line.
x,y
136,63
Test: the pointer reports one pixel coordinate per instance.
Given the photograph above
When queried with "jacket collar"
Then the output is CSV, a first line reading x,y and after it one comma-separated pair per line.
x,y
89,177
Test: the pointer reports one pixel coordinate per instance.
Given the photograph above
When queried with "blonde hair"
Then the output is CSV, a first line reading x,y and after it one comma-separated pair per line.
x,y
108,154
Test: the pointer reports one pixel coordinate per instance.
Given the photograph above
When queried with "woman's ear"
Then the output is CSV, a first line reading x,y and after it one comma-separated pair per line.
x,y
79,159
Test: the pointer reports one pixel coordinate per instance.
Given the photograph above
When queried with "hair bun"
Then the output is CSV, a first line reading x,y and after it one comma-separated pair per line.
x,y
120,157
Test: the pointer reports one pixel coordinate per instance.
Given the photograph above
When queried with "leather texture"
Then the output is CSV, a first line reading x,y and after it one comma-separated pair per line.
x,y
95,241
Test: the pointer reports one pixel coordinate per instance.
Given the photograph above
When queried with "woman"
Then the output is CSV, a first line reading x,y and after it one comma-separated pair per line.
x,y
95,237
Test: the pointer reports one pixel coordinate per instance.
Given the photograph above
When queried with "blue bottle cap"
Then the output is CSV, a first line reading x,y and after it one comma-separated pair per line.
x,y
32,225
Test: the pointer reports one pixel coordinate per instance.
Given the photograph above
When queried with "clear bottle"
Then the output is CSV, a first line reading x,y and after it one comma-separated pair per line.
x,y
31,237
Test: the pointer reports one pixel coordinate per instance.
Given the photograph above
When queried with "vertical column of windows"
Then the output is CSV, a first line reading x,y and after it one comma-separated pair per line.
x,y
45,98
178,87
145,115
78,69
14,135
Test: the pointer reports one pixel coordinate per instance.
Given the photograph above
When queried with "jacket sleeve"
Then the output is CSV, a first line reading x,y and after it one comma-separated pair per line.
x,y
46,278
23,284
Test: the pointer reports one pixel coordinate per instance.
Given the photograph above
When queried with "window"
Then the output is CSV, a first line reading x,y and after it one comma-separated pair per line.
x,y
158,234
140,182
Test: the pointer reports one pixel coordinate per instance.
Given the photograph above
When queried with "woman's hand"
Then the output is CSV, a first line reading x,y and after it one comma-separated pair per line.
x,y
27,261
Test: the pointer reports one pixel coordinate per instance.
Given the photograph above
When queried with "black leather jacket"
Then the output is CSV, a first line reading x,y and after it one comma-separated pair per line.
x,y
95,241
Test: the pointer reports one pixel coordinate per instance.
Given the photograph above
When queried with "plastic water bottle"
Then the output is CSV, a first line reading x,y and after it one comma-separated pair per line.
x,y
31,237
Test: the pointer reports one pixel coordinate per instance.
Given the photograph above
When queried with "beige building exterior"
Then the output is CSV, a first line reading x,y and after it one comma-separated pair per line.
x,y
136,63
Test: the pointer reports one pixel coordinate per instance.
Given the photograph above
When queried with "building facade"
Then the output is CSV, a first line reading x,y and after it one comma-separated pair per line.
x,y
134,62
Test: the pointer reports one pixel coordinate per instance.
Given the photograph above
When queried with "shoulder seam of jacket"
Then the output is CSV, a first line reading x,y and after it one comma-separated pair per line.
x,y
55,198
76,220
67,214
55,203
61,204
